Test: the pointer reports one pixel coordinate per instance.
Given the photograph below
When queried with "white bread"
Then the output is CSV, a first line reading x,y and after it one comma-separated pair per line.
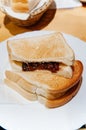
x,y
50,86
21,91
47,102
46,48
15,77
23,6
24,84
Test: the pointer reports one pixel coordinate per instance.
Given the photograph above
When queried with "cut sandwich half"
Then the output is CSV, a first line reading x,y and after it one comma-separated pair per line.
x,y
48,52
49,103
48,88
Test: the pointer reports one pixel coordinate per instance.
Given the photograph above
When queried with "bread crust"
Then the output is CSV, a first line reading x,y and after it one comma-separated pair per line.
x,y
63,99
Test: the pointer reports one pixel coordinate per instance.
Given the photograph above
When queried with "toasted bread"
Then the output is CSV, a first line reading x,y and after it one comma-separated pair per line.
x,y
46,48
63,99
46,84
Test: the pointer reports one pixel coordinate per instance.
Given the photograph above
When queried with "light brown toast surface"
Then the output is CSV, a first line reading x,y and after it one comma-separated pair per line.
x,y
62,100
50,47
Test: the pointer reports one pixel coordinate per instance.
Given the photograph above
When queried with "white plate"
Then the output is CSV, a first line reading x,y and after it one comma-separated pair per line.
x,y
16,113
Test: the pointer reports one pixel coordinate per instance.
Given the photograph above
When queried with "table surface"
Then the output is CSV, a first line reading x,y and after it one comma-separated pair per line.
x,y
71,21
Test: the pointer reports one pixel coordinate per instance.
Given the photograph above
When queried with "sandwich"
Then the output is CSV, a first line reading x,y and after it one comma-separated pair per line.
x,y
23,6
49,53
50,89
44,69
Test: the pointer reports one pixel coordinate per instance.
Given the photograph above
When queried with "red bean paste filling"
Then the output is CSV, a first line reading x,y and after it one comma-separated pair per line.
x,y
51,66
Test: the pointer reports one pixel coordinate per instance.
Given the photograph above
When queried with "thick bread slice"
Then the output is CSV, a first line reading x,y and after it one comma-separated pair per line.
x,y
50,47
14,77
24,84
21,91
48,103
48,82
64,70
48,95
24,5
52,82
62,100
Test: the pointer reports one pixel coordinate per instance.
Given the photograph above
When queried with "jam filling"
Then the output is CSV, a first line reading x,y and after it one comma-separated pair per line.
x,y
51,66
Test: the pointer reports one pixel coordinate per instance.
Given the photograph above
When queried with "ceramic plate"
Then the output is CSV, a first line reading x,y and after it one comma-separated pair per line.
x,y
16,113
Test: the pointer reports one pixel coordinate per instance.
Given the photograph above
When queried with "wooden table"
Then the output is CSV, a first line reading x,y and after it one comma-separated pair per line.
x,y
70,21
